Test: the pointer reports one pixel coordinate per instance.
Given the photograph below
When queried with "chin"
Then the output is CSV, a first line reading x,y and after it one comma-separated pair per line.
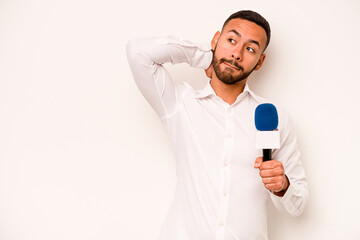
x,y
232,81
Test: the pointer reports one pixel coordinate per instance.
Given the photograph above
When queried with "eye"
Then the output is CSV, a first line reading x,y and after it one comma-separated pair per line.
x,y
231,40
250,49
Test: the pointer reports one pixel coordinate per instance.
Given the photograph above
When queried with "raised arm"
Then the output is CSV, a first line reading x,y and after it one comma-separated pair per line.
x,y
146,58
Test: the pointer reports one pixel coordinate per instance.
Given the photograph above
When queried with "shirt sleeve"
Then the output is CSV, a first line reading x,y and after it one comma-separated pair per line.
x,y
296,197
146,58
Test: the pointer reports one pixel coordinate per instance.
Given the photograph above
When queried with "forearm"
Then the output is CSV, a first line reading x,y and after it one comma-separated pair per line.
x,y
294,200
146,57
152,51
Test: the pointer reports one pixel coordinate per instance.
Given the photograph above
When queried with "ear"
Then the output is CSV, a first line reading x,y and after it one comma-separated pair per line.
x,y
260,62
215,40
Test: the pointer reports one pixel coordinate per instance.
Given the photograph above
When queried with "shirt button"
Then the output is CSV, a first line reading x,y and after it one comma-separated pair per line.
x,y
225,194
229,110
221,224
226,164
229,135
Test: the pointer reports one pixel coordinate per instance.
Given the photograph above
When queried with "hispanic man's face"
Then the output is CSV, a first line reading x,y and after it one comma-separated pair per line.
x,y
238,50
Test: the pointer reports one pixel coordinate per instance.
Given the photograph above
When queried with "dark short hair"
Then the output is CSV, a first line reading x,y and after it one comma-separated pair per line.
x,y
252,17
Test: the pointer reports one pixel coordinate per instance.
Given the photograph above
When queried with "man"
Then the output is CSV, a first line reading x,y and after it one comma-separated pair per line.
x,y
219,194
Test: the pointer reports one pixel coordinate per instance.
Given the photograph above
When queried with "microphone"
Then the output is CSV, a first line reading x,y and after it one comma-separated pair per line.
x,y
267,134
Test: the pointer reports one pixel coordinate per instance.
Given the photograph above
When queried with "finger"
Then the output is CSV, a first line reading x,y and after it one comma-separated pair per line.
x,y
258,162
272,164
276,187
267,181
271,172
272,180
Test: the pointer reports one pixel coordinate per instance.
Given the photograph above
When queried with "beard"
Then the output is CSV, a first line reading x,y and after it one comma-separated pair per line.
x,y
228,75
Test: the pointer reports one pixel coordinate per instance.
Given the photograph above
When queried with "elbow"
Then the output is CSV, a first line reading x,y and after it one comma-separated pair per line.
x,y
131,49
137,53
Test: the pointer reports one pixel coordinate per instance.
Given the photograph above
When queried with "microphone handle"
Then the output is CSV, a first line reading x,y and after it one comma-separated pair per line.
x,y
267,155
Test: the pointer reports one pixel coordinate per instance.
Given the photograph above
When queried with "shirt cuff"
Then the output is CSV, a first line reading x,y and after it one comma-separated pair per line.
x,y
286,202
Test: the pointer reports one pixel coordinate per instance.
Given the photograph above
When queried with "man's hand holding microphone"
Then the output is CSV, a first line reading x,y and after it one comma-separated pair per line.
x,y
267,138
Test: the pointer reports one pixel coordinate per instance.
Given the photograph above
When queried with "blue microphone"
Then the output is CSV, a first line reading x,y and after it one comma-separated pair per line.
x,y
267,134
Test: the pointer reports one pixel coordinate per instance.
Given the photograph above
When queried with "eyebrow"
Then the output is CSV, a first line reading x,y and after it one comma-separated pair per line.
x,y
239,35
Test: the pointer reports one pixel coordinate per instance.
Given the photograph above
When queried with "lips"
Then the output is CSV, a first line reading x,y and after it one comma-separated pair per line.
x,y
232,66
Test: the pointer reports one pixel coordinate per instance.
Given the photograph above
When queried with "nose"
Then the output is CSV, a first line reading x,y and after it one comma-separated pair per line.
x,y
237,55
238,51
237,58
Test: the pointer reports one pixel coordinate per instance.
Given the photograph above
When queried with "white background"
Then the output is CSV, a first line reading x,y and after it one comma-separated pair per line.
x,y
82,154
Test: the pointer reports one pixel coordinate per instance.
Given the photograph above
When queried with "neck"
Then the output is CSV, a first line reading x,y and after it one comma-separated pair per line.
x,y
227,92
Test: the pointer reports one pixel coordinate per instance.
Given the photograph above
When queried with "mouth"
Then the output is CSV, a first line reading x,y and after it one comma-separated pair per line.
x,y
231,66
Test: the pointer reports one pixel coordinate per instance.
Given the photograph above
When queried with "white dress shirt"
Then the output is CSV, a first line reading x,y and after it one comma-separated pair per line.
x,y
219,195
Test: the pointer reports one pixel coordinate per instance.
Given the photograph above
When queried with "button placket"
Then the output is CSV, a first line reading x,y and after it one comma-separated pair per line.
x,y
228,144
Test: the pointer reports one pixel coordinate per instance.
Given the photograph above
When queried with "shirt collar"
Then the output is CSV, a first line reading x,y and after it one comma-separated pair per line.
x,y
208,90
205,92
